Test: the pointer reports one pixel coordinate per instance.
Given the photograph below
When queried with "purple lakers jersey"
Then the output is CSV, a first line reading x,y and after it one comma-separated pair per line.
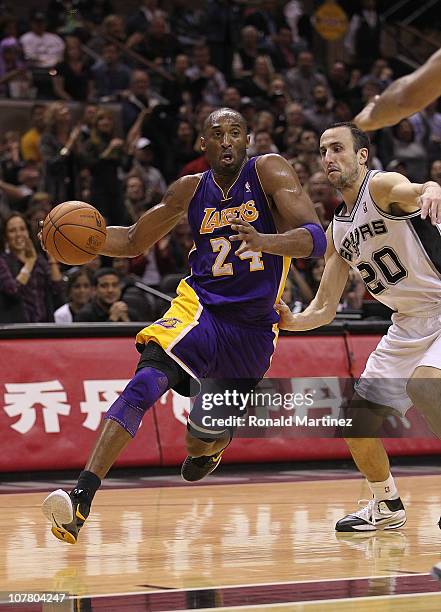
x,y
242,288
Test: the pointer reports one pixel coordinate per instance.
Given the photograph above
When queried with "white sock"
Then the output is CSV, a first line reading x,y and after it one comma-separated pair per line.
x,y
385,489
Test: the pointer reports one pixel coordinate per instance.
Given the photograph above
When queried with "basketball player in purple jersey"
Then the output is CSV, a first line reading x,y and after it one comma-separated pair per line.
x,y
223,324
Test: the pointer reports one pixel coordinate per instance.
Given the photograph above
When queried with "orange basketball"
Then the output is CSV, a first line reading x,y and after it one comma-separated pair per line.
x,y
74,232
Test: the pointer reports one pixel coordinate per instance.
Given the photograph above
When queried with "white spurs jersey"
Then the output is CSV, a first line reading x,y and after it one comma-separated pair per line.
x,y
399,258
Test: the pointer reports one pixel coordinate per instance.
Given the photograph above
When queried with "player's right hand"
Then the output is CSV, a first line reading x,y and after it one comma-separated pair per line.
x,y
286,317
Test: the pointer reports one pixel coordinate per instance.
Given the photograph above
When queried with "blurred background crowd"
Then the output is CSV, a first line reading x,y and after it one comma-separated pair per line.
x,y
103,101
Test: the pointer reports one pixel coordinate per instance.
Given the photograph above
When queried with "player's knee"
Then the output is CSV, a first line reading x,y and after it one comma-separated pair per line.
x,y
424,393
145,388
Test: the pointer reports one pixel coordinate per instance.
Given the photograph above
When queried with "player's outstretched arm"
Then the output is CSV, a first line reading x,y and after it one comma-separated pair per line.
x,y
391,188
154,224
291,209
403,97
323,307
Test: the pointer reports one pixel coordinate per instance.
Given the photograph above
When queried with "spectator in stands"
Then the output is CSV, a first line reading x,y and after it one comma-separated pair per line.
x,y
302,79
363,37
140,20
172,250
319,189
87,121
187,23
257,86
353,293
10,160
263,143
183,150
14,75
39,206
435,171
307,148
103,153
112,77
138,98
158,45
20,195
154,182
137,300
412,153
207,79
248,50
301,170
79,292
111,27
58,148
43,51
295,124
380,72
94,11
338,78
320,115
283,52
178,91
30,141
221,25
106,305
342,111
74,77
232,99
30,286
427,127
135,201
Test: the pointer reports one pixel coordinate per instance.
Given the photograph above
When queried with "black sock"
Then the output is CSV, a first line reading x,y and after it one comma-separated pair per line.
x,y
89,482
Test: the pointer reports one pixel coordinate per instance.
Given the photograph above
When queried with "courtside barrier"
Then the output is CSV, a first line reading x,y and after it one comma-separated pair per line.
x,y
56,381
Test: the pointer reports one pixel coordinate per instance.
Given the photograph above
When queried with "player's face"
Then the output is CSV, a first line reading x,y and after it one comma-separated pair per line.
x,y
342,165
108,289
225,143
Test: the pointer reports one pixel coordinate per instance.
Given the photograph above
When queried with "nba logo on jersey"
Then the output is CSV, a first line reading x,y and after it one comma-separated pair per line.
x,y
247,187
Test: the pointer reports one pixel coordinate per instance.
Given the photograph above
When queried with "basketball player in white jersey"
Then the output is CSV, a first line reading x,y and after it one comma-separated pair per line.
x,y
387,229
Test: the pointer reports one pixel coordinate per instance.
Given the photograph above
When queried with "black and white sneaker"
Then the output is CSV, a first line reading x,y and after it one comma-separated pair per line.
x,y
436,571
67,513
376,515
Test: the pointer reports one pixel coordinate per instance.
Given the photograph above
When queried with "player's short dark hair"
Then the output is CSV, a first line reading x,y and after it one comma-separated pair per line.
x,y
214,116
359,138
104,272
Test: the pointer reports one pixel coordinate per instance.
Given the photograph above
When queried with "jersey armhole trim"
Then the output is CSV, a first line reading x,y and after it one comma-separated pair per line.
x,y
383,213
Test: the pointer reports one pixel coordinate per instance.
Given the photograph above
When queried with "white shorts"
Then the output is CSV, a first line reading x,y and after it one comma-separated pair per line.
x,y
409,343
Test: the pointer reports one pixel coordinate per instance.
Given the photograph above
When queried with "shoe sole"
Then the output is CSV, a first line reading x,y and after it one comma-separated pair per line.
x,y
57,508
371,528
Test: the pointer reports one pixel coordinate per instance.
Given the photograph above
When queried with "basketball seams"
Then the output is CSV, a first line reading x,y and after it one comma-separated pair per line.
x,y
80,225
73,243
74,208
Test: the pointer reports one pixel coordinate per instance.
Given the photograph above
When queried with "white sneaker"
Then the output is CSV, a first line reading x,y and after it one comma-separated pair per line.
x,y
376,515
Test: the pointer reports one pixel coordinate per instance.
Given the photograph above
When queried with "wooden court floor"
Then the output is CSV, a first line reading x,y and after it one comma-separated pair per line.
x,y
266,546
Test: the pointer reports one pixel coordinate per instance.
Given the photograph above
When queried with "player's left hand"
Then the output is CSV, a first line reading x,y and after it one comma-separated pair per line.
x,y
430,202
251,239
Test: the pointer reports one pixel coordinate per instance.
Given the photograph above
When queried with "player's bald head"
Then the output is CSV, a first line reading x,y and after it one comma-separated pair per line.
x,y
224,114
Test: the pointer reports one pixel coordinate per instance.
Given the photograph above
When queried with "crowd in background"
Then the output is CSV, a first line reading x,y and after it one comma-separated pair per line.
x,y
145,83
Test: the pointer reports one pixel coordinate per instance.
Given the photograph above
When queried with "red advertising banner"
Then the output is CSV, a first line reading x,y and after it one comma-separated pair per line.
x,y
54,392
